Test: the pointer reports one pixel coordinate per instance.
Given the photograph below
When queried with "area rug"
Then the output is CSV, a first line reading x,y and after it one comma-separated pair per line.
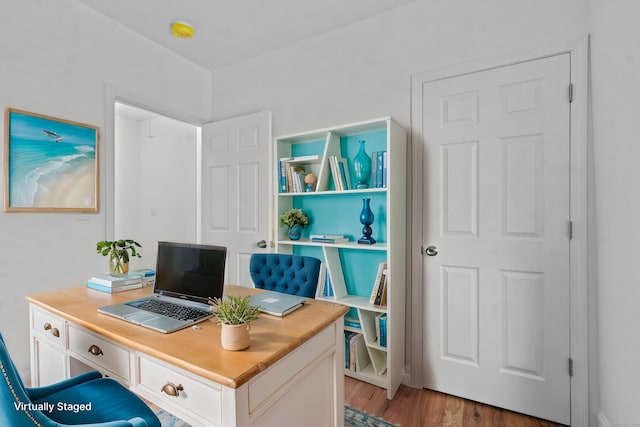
x,y
352,418
356,418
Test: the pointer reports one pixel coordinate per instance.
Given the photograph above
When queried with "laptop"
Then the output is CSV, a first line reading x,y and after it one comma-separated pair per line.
x,y
187,276
277,303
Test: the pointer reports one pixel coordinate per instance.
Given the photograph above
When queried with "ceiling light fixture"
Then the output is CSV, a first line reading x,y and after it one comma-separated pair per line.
x,y
182,30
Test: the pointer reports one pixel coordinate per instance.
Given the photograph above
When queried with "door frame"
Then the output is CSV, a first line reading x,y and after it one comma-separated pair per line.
x,y
580,286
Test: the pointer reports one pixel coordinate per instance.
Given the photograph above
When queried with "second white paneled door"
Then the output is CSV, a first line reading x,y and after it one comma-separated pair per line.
x,y
496,218
235,209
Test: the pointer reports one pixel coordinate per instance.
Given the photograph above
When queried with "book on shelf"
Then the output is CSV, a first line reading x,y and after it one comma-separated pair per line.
x,y
382,327
110,280
292,172
114,289
358,356
376,290
347,348
340,173
328,238
352,322
343,170
381,296
325,287
379,160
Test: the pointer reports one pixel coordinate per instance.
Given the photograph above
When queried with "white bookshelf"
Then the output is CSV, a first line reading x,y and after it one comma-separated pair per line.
x,y
352,266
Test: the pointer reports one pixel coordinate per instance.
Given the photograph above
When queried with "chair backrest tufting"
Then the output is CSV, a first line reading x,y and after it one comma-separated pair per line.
x,y
290,274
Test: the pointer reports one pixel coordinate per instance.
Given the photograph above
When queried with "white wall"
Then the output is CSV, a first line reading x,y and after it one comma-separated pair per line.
x,y
57,58
615,79
155,183
363,71
168,183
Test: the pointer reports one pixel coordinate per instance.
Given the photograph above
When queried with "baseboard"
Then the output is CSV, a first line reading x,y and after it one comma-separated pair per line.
x,y
602,420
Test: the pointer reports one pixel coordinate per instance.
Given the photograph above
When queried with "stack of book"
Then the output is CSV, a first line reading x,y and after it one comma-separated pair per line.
x,y
148,276
112,284
328,238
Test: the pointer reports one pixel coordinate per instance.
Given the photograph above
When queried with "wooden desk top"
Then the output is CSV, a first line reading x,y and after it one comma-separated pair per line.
x,y
195,350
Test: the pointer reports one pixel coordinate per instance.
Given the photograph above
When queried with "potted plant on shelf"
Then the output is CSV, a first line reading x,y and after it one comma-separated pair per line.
x,y
234,314
119,252
295,220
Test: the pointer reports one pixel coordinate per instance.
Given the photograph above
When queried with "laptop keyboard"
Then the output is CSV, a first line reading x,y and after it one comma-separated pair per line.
x,y
173,310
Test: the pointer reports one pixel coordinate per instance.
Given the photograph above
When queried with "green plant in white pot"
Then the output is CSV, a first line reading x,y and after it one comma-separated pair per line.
x,y
119,253
235,313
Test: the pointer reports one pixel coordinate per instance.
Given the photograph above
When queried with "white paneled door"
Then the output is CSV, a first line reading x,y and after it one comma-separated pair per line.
x,y
496,234
235,187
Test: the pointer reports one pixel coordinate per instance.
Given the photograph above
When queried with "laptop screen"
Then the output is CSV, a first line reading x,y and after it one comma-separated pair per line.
x,y
190,271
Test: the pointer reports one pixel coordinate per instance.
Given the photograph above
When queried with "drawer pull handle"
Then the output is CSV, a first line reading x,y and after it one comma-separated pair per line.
x,y
54,331
172,390
95,350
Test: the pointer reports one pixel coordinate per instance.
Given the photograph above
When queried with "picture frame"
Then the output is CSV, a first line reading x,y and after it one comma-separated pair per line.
x,y
50,164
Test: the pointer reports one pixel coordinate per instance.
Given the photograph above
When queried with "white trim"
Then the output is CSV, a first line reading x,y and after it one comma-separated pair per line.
x,y
602,420
578,49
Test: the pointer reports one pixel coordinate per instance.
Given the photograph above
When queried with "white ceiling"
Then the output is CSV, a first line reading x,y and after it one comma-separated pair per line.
x,y
229,31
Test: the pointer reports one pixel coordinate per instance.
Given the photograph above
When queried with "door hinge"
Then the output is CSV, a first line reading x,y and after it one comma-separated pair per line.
x,y
570,230
570,92
570,367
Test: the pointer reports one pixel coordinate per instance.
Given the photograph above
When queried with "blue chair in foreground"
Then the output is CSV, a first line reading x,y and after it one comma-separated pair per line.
x,y
289,274
107,403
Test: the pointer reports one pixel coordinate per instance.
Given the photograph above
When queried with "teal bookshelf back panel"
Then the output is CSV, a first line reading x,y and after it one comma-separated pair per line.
x,y
359,269
315,147
374,141
349,146
340,214
313,251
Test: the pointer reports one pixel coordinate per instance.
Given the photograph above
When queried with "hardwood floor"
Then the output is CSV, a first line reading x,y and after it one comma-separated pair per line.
x,y
425,408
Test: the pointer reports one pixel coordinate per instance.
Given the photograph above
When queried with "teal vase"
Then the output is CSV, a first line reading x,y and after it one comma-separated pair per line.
x,y
362,167
366,218
295,232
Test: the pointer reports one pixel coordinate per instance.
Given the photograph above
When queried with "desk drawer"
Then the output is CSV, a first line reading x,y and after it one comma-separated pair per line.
x,y
100,352
48,326
193,396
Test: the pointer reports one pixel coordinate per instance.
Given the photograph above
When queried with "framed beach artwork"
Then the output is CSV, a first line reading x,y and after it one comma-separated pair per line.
x,y
50,164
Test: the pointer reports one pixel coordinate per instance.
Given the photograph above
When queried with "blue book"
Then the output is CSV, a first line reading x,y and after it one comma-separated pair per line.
x,y
111,290
383,330
385,161
379,168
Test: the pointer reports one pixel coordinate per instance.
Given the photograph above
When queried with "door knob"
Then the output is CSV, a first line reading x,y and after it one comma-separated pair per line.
x,y
262,244
431,251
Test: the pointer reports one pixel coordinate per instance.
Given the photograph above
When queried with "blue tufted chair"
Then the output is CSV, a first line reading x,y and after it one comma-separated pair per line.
x,y
112,405
289,274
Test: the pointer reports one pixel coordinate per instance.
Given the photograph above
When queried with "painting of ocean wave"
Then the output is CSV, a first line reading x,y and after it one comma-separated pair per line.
x,y
52,164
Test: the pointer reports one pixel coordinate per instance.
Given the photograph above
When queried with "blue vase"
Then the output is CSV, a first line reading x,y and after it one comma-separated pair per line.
x,y
362,167
295,232
366,218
